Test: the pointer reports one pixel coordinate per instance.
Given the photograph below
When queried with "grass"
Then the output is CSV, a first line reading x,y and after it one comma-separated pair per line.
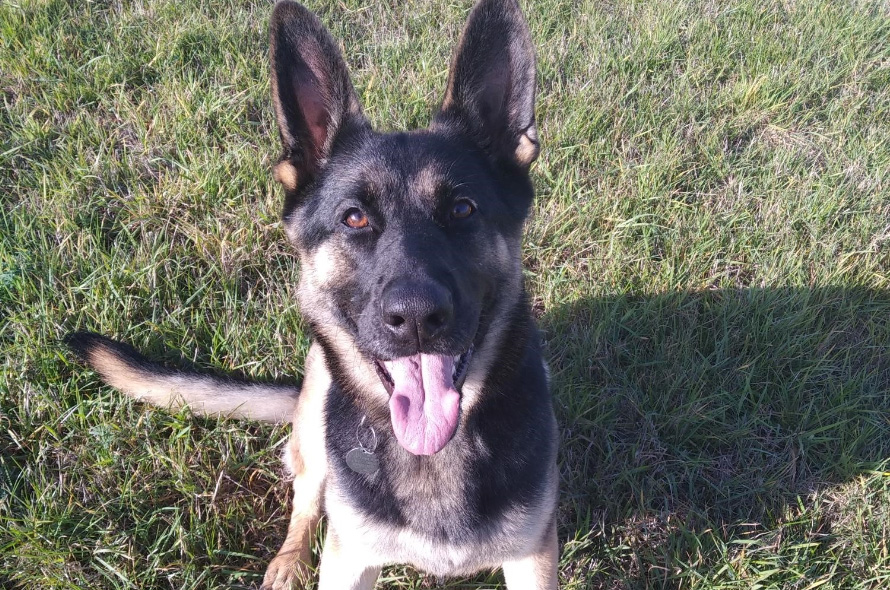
x,y
709,257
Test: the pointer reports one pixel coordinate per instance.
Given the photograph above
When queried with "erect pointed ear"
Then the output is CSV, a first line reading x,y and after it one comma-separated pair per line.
x,y
312,92
491,85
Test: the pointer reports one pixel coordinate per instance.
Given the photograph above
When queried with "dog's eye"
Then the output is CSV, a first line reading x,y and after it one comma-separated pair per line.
x,y
356,219
462,209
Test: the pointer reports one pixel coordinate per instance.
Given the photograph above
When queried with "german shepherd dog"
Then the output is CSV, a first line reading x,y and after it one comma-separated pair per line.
x,y
424,427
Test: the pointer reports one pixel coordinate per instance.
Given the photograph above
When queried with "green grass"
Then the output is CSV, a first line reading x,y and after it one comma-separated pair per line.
x,y
709,257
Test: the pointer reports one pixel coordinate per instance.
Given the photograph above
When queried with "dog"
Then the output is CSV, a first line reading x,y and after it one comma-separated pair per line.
x,y
424,427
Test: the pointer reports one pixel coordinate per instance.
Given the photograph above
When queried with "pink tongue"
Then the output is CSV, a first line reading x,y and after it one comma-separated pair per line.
x,y
424,404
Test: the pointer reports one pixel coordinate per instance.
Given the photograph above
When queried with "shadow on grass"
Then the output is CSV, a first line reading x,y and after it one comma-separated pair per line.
x,y
714,411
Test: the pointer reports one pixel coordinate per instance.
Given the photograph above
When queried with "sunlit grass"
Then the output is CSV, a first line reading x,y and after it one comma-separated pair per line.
x,y
709,257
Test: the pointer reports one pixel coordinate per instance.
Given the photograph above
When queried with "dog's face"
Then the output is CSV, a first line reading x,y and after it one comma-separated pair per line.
x,y
409,242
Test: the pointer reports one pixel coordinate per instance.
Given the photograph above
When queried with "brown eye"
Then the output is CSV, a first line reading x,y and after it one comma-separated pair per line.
x,y
462,209
356,219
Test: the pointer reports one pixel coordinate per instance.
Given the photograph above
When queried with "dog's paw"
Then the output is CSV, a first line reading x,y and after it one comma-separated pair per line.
x,y
285,573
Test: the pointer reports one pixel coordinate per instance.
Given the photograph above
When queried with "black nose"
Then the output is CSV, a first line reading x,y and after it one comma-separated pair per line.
x,y
417,311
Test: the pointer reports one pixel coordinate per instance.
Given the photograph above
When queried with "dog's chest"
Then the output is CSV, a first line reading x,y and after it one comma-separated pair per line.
x,y
484,499
439,529
382,543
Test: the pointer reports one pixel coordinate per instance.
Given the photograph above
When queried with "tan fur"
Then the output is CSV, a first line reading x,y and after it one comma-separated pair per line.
x,y
286,175
307,460
528,149
360,372
319,269
202,395
323,267
342,569
427,181
537,571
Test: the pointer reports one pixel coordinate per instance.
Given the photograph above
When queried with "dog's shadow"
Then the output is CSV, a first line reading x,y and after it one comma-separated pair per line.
x,y
691,416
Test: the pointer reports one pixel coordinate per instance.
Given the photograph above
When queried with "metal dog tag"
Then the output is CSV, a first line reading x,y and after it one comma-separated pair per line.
x,y
361,461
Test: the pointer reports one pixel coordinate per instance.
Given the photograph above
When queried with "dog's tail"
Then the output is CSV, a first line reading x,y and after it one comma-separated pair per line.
x,y
122,367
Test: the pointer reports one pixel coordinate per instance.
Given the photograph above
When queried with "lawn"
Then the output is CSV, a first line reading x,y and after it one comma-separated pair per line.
x,y
709,258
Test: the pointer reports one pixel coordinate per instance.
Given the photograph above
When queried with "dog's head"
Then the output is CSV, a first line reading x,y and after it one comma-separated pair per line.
x,y
408,242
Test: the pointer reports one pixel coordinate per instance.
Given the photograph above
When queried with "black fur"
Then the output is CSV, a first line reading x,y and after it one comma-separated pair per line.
x,y
312,92
491,87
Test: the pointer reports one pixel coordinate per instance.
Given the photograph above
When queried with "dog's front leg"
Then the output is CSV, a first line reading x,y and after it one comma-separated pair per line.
x,y
291,567
537,571
343,568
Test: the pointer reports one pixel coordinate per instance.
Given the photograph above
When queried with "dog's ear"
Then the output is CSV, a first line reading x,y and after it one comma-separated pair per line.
x,y
312,92
491,85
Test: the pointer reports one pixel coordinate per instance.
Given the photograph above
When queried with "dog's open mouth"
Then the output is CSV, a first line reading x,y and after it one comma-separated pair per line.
x,y
424,398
